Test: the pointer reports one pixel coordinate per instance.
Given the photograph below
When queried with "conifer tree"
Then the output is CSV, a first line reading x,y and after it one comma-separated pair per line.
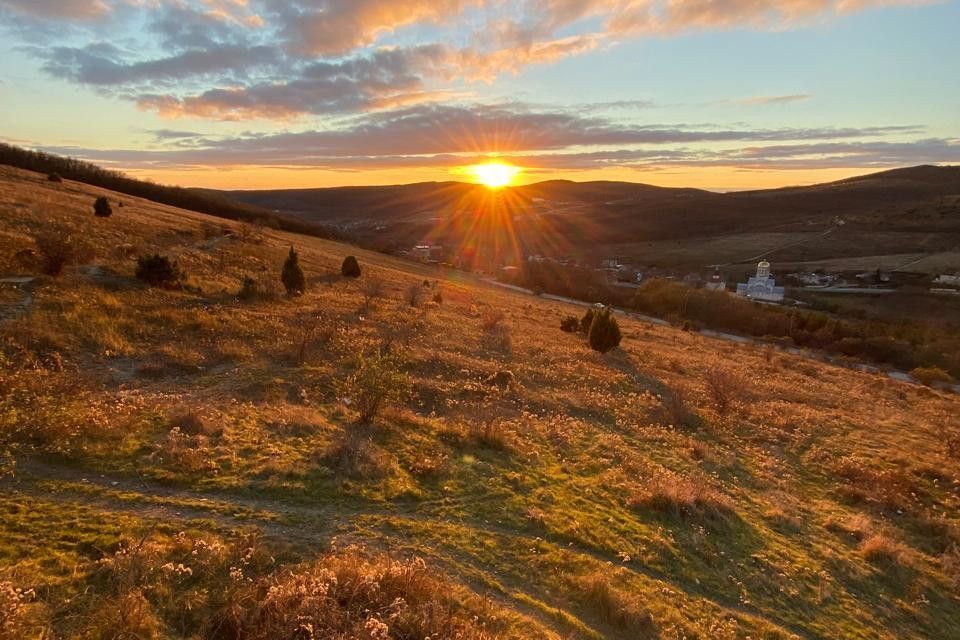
x,y
292,275
604,332
350,267
101,207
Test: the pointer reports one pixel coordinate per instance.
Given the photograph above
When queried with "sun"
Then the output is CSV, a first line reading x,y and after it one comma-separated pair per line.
x,y
494,175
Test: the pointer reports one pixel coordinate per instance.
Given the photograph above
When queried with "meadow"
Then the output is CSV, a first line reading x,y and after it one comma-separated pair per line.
x,y
187,462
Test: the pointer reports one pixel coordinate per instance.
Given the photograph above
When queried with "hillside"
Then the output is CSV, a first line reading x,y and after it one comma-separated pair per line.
x,y
890,219
181,463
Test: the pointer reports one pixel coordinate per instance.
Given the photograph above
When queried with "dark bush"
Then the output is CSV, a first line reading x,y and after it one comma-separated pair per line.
x,y
101,207
570,324
350,267
438,297
54,177
248,290
586,321
292,275
604,332
157,271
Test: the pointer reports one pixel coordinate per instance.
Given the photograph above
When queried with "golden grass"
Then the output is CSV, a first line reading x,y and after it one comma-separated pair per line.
x,y
726,481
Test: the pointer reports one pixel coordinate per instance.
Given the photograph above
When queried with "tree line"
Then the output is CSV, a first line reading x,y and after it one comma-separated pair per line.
x,y
183,198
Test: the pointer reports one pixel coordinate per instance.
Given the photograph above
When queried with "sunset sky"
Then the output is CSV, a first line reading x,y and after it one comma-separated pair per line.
x,y
718,94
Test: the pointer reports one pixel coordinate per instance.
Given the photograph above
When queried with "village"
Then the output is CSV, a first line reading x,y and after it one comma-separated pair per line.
x,y
762,285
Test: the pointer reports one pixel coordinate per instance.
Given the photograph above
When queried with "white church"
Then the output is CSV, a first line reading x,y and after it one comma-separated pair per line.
x,y
761,286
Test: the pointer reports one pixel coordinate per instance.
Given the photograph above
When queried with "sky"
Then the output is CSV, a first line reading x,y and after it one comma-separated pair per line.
x,y
715,94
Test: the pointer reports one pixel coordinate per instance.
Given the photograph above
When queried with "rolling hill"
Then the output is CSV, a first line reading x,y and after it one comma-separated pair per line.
x,y
889,219
188,462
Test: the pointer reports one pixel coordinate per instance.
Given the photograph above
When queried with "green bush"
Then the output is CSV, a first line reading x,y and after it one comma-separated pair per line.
x,y
378,380
101,207
292,275
350,267
157,271
604,332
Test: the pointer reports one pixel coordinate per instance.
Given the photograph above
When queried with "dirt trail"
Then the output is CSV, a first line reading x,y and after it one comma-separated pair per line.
x,y
19,308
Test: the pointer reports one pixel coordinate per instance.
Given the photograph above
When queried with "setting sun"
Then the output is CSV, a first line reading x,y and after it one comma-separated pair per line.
x,y
494,174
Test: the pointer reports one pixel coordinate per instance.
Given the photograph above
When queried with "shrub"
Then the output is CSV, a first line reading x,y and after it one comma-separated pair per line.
x,y
101,207
438,298
350,267
880,548
54,177
310,331
57,249
930,376
677,407
414,295
570,324
258,288
497,335
378,380
248,290
157,271
373,289
604,333
292,275
723,387
586,321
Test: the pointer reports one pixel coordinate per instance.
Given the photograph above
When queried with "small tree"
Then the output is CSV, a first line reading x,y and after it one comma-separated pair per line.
x,y
292,275
604,332
377,380
54,177
157,271
101,207
350,267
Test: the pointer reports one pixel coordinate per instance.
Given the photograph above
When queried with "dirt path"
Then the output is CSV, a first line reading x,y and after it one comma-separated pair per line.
x,y
23,283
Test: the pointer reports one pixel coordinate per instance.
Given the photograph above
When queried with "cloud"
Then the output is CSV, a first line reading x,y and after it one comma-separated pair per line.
x,y
385,79
445,136
105,64
283,59
57,9
335,27
768,100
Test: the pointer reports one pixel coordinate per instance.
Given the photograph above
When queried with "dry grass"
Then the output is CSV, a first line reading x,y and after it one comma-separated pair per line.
x,y
355,594
691,497
882,549
509,461
614,606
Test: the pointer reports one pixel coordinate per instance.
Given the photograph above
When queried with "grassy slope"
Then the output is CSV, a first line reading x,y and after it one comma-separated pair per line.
x,y
821,505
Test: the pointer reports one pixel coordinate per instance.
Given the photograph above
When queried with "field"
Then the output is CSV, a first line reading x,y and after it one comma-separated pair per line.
x,y
183,463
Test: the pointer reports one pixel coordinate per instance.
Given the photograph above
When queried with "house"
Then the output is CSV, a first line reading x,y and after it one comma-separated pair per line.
x,y
761,286
427,252
716,282
948,280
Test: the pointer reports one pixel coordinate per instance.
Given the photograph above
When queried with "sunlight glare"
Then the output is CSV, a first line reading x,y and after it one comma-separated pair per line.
x,y
494,175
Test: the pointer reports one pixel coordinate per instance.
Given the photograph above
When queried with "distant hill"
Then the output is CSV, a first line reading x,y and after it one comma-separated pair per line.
x,y
905,213
201,201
